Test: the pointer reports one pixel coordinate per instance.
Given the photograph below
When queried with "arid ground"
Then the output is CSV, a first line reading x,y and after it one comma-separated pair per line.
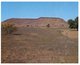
x,y
40,45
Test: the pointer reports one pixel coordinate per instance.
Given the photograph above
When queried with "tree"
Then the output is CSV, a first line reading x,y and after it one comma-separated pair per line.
x,y
73,24
76,23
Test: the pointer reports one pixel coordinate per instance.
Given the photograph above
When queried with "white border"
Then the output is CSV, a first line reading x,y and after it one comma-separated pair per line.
x,y
44,1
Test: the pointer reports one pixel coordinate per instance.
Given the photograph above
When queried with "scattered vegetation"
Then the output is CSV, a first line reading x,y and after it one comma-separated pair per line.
x,y
8,28
73,24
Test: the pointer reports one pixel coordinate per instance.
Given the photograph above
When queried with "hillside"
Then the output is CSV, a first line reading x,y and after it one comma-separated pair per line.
x,y
39,22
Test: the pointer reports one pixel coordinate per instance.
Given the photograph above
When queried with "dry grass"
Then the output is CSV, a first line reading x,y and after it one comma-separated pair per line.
x,y
39,45
73,34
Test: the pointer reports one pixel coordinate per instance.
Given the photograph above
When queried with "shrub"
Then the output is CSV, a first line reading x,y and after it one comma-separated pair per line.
x,y
48,25
8,28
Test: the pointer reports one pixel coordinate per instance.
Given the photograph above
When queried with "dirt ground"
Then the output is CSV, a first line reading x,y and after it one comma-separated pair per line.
x,y
72,34
40,45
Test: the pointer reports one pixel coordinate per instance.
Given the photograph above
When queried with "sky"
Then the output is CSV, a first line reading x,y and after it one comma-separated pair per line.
x,y
65,10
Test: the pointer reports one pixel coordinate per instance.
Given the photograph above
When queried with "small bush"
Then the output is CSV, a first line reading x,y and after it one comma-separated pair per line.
x,y
48,25
8,28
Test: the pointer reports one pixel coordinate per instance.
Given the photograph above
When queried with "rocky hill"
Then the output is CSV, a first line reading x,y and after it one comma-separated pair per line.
x,y
39,22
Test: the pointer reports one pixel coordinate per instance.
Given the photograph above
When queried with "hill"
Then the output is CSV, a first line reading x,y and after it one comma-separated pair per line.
x,y
39,22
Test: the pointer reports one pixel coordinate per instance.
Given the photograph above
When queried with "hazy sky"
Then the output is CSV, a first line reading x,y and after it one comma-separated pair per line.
x,y
65,10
